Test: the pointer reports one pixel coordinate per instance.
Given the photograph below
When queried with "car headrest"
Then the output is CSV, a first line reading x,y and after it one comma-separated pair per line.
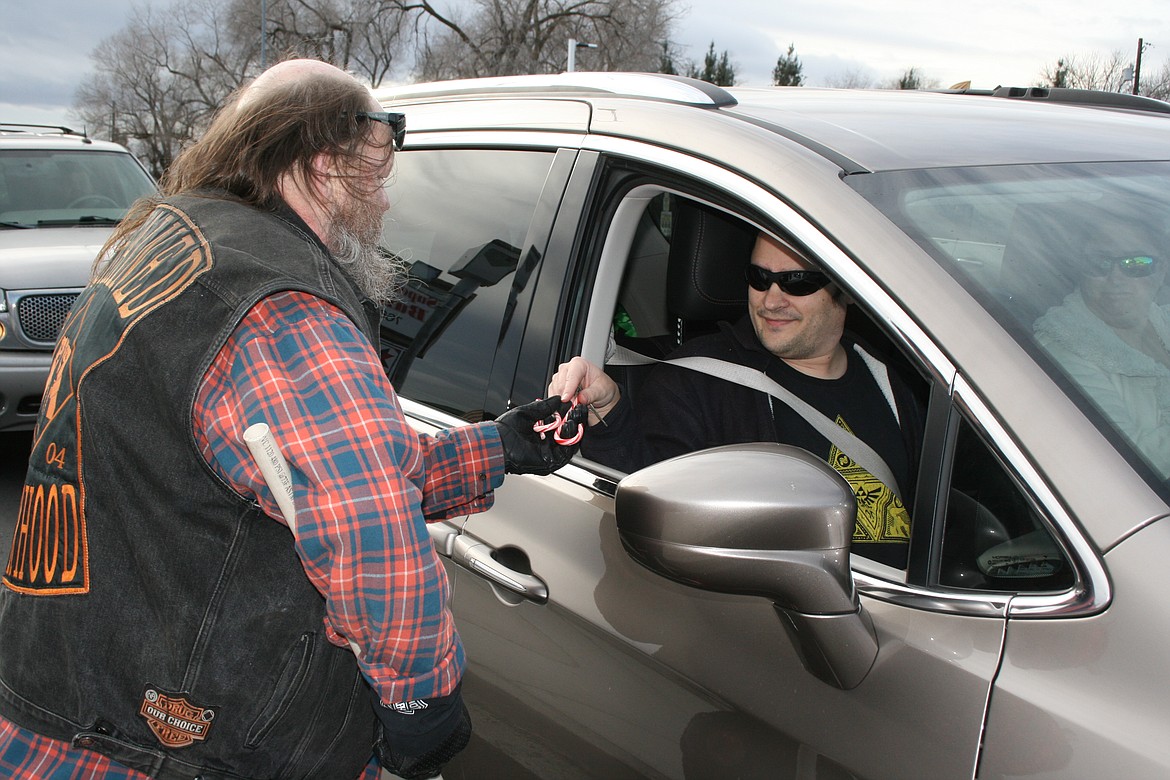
x,y
708,252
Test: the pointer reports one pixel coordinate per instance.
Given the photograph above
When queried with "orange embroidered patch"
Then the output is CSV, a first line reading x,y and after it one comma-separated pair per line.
x,y
174,720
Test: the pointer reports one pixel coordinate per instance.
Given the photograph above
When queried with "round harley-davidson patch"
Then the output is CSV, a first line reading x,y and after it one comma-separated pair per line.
x,y
174,720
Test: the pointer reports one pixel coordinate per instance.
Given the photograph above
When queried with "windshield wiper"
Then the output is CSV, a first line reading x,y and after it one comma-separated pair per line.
x,y
17,225
88,220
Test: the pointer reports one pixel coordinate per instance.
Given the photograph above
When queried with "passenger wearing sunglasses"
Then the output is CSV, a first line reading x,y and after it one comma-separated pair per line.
x,y
1113,339
793,330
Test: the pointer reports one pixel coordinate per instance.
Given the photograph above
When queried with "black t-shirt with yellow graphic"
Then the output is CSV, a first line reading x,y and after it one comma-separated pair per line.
x,y
857,404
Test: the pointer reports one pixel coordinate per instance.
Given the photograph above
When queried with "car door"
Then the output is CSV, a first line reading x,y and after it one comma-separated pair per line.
x,y
613,670
994,653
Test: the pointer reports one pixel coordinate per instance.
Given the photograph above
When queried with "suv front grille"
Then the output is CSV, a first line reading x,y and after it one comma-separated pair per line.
x,y
41,316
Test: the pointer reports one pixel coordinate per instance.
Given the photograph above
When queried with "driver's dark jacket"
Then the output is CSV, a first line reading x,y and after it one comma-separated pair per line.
x,y
675,410
150,613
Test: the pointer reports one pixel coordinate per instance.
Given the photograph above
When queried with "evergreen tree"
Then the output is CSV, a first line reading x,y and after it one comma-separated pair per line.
x,y
717,69
911,79
788,71
1060,78
666,61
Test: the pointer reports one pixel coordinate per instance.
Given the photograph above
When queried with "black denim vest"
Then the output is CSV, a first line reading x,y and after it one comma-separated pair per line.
x,y
150,613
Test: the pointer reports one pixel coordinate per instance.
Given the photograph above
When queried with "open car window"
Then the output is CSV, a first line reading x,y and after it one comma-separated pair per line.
x,y
981,531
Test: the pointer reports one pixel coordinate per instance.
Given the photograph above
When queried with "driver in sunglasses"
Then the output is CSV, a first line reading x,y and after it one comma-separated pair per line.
x,y
1113,339
793,329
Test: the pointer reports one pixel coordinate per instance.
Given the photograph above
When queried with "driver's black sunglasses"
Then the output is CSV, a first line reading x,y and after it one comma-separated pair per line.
x,y
798,283
396,123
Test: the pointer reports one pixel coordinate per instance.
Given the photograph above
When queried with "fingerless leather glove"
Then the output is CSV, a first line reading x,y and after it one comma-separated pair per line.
x,y
525,450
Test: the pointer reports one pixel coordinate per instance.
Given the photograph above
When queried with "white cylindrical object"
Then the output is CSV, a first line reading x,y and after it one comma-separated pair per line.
x,y
274,469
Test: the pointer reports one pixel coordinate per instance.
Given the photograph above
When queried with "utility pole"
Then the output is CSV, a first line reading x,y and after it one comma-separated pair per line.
x,y
1137,66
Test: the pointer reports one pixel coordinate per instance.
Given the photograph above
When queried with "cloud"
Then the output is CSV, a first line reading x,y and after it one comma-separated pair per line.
x,y
45,48
45,45
992,42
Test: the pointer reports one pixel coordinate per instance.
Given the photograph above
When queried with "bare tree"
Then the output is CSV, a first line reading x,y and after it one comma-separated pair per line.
x,y
384,35
509,37
853,78
1157,86
158,80
155,82
362,36
1086,71
1106,73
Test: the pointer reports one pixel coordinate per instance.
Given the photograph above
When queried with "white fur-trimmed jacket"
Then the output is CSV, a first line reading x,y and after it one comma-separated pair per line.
x,y
1131,388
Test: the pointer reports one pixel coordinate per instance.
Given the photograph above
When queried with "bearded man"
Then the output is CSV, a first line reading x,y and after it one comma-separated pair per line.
x,y
163,614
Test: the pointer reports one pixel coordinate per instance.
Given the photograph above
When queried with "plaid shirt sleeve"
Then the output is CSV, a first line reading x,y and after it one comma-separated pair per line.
x,y
363,482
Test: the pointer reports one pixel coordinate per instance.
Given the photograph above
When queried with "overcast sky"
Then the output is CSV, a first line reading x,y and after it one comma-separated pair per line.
x,y
45,45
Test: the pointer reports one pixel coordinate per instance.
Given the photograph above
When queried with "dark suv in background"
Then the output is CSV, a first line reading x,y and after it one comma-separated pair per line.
x,y
704,617
61,193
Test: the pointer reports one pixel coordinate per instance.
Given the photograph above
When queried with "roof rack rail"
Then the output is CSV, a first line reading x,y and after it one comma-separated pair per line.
x,y
657,86
1086,97
1078,97
58,128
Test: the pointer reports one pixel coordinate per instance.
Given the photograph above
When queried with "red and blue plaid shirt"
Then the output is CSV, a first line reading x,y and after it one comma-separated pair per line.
x,y
364,481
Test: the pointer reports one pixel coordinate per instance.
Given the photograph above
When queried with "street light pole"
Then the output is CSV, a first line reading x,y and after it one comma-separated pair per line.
x,y
263,30
574,44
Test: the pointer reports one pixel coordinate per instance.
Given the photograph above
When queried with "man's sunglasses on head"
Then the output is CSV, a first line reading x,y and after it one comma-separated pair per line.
x,y
798,283
1130,265
396,122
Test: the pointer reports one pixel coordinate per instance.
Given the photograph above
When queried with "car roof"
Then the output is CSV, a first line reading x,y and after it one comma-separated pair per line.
x,y
25,136
878,130
858,130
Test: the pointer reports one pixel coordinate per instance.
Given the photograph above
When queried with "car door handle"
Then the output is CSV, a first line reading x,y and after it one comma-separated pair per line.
x,y
479,558
443,534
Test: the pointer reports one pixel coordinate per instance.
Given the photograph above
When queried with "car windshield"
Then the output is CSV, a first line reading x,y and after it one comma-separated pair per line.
x,y
43,188
1072,259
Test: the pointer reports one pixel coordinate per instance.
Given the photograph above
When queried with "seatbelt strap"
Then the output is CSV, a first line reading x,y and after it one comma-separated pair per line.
x,y
855,448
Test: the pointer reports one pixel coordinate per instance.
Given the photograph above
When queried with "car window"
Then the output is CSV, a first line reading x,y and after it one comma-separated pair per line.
x,y
460,219
993,538
1072,259
682,285
38,187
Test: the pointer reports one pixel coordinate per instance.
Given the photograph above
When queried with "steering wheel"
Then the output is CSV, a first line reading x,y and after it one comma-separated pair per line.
x,y
94,201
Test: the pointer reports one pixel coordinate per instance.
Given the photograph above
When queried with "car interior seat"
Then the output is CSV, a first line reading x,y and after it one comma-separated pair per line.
x,y
704,277
704,282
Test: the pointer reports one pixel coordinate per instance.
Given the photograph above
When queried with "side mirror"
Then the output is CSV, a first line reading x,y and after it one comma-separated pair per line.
x,y
763,520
